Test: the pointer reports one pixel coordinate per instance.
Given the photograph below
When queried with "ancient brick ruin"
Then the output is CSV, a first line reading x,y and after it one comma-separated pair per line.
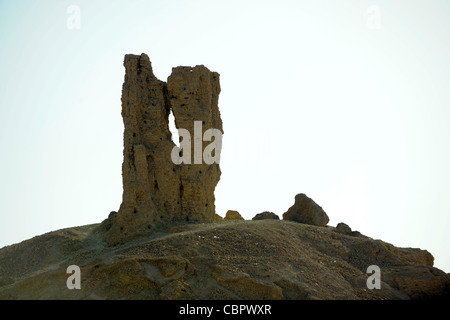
x,y
156,190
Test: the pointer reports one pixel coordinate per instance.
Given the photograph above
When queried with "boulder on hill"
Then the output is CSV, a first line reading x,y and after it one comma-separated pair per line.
x,y
266,215
305,210
233,215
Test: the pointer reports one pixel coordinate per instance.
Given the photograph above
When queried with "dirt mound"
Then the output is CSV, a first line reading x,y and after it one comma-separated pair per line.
x,y
264,259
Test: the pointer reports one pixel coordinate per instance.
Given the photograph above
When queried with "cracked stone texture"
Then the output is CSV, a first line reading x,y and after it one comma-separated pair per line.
x,y
156,191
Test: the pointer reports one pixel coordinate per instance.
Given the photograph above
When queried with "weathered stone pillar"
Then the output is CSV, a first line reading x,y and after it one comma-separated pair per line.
x,y
156,191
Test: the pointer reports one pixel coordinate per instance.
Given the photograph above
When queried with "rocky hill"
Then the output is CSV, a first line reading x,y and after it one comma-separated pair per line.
x,y
167,242
234,259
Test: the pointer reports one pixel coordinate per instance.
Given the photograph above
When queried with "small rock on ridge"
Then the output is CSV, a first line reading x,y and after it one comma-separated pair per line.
x,y
233,215
305,210
266,215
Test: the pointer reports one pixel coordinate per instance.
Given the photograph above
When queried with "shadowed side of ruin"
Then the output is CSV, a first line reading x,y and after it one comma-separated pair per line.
x,y
156,191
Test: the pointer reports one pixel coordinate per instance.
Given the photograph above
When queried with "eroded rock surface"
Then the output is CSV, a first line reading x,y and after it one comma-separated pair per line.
x,y
157,191
265,259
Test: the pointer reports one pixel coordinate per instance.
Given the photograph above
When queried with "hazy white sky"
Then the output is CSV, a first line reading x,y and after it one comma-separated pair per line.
x,y
347,101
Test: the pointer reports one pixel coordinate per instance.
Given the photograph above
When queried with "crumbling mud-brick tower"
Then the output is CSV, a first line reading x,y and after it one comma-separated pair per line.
x,y
156,190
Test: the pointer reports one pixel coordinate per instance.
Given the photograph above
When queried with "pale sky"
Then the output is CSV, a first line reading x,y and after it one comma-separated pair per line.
x,y
347,101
